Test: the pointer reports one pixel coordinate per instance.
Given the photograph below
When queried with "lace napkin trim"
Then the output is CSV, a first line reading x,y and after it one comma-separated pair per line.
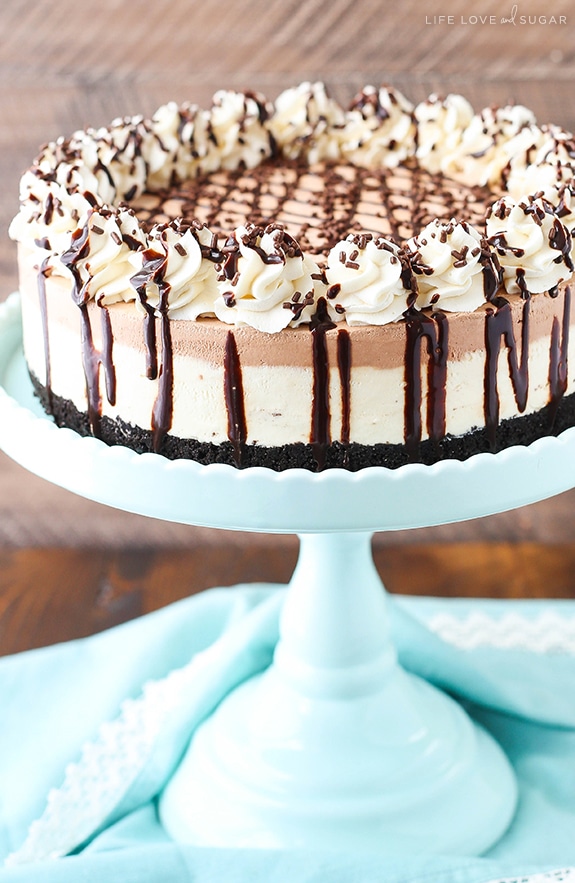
x,y
95,785
561,875
547,633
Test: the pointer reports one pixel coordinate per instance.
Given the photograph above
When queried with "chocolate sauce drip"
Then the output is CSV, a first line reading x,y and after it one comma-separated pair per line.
x,y
91,363
150,342
492,273
45,271
560,239
498,327
320,436
231,251
164,405
106,357
558,357
153,270
435,330
344,365
78,250
234,397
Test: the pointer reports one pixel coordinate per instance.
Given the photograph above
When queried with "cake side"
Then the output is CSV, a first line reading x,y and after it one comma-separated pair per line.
x,y
380,385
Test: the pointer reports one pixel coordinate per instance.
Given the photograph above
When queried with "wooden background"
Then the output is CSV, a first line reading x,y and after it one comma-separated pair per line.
x,y
68,566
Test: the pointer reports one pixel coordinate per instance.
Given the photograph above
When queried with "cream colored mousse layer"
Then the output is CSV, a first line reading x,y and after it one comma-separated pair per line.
x,y
278,370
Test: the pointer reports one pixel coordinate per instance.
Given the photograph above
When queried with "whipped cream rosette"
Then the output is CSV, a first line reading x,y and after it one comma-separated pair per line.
x,y
440,126
453,266
177,144
83,168
199,154
551,165
120,152
488,143
365,281
172,276
532,244
379,128
557,146
47,216
238,127
99,256
305,122
266,281
537,179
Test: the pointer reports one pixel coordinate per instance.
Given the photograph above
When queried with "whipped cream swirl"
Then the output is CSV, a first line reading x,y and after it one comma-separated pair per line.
x,y
266,281
454,268
176,144
73,214
379,128
100,256
47,216
238,126
533,245
175,273
305,122
440,126
551,164
489,142
365,276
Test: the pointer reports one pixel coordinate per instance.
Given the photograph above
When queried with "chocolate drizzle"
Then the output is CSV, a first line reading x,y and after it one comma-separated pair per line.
x,y
558,356
78,250
320,436
234,397
396,203
91,363
498,327
164,405
344,365
152,273
150,342
43,273
435,330
106,358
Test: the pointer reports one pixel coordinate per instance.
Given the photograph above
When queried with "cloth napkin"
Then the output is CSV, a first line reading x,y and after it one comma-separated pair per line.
x,y
91,730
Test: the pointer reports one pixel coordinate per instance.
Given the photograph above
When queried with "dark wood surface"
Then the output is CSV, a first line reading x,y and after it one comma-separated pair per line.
x,y
52,595
66,64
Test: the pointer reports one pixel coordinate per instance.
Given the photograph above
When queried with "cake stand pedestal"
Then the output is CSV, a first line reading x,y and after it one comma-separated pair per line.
x,y
335,745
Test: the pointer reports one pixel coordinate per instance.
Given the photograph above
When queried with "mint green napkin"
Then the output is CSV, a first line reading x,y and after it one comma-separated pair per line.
x,y
91,730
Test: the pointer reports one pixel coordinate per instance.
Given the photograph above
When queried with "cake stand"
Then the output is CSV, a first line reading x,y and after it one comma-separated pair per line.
x,y
335,745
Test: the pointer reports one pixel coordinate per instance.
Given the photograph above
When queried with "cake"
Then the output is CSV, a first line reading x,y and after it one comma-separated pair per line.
x,y
292,284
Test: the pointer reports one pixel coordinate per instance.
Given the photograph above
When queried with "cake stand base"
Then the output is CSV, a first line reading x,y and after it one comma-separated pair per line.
x,y
336,746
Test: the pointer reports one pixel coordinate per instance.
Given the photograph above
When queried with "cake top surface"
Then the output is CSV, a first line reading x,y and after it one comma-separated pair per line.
x,y
252,212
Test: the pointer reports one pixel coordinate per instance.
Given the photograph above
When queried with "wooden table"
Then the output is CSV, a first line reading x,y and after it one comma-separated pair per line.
x,y
49,595
68,566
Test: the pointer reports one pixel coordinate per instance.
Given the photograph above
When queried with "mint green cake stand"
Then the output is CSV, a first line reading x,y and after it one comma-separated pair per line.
x,y
335,745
